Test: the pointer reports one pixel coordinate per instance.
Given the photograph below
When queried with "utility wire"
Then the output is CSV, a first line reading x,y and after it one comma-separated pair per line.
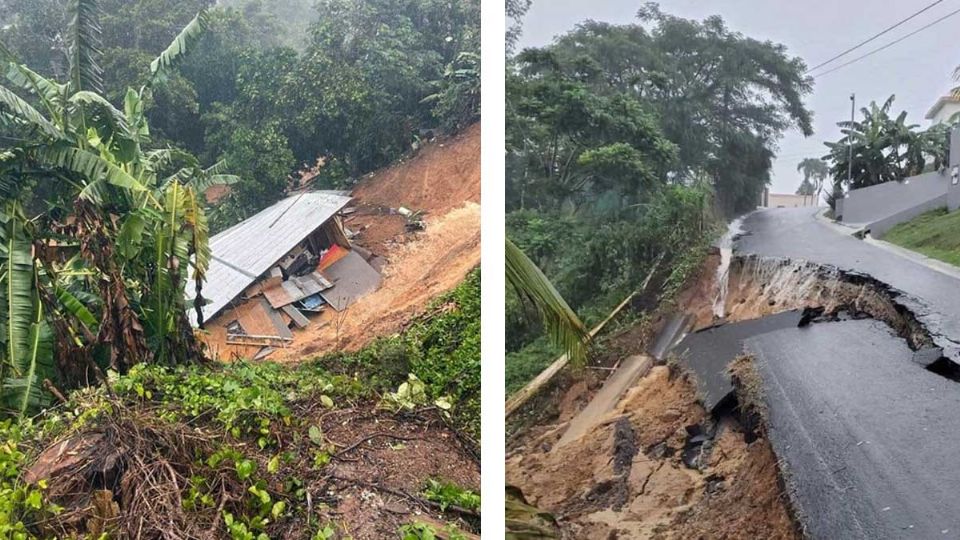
x,y
871,38
892,43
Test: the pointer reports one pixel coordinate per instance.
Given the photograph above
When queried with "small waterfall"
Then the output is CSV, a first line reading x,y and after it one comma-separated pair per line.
x,y
723,271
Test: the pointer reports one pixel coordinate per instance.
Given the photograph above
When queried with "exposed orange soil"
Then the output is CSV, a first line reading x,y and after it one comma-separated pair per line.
x,y
652,494
443,182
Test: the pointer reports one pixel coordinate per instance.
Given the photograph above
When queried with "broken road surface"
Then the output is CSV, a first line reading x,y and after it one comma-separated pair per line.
x,y
867,437
796,233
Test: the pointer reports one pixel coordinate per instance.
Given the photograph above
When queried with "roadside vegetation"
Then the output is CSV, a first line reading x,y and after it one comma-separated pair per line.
x,y
627,147
933,234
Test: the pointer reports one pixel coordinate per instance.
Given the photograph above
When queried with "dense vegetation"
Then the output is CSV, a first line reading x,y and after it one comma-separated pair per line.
x,y
248,436
884,148
101,231
625,144
277,85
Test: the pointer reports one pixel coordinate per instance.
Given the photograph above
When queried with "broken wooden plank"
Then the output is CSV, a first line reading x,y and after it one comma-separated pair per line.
x,y
282,329
298,318
243,339
277,296
254,317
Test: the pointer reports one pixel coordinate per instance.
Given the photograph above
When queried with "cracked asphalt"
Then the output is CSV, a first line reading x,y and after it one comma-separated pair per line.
x,y
796,233
866,437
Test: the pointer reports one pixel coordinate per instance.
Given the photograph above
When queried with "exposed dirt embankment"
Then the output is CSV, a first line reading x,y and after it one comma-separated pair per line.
x,y
628,478
443,182
637,474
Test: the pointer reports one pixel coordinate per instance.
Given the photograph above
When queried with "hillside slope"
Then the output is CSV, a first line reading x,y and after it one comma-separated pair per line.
x,y
442,181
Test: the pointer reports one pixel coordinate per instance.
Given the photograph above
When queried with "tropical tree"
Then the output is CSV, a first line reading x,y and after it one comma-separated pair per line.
x,y
879,148
814,172
724,99
93,277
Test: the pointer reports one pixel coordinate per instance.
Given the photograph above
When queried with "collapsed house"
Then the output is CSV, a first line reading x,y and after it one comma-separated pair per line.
x,y
290,266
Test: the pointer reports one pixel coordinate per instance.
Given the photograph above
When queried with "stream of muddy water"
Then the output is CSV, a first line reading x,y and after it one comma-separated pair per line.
x,y
725,246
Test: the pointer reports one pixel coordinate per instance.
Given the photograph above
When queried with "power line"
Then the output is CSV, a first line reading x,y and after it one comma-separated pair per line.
x,y
892,43
871,38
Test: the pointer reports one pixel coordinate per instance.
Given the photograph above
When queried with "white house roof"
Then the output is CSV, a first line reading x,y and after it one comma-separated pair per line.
x,y
943,100
242,253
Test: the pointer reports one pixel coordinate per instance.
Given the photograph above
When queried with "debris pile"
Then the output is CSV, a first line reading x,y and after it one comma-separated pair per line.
x,y
288,267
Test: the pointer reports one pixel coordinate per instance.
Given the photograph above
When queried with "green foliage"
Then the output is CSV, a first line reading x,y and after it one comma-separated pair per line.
x,y
245,399
884,148
933,234
457,102
441,349
527,360
720,99
447,494
273,85
560,322
87,158
423,531
20,503
252,403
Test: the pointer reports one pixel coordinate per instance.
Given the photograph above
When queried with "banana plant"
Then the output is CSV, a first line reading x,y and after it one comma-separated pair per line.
x,y
135,217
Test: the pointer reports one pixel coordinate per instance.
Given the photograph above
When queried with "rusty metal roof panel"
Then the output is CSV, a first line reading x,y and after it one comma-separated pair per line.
x,y
248,249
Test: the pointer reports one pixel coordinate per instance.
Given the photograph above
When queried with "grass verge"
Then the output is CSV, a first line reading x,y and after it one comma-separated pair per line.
x,y
935,234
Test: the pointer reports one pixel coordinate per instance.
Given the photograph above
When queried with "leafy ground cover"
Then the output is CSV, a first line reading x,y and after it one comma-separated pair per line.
x,y
933,234
378,443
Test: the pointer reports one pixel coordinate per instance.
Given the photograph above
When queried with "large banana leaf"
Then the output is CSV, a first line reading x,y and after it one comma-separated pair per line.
x,y
561,323
85,46
49,92
26,392
28,355
23,112
180,45
87,164
115,120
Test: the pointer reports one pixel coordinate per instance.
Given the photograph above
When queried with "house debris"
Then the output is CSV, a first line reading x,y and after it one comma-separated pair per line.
x,y
291,265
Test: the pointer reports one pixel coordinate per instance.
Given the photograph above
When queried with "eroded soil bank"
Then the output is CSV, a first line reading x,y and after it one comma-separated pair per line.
x,y
659,465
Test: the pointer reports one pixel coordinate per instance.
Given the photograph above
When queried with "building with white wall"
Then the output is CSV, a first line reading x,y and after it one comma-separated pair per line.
x,y
943,110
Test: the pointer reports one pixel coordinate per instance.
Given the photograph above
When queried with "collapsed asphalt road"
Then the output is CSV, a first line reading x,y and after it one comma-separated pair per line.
x,y
866,436
933,297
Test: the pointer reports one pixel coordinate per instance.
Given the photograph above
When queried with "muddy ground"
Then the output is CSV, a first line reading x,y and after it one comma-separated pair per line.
x,y
637,474
442,181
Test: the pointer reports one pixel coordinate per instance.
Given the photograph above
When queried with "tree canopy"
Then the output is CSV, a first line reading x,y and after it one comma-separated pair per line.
x,y
281,83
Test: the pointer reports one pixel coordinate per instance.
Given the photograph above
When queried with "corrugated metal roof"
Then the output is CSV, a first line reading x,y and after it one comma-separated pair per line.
x,y
248,249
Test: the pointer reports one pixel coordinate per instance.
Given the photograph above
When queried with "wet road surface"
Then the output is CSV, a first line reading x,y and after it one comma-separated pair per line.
x,y
795,233
867,438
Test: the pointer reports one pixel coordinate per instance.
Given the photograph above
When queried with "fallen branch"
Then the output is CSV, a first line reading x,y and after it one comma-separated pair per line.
x,y
370,437
419,500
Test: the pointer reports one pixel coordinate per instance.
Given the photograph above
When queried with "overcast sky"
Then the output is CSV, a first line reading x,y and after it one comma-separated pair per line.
x,y
917,70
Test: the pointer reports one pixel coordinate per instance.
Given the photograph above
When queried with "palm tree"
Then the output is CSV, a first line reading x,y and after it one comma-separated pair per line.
x,y
814,172
561,322
96,277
